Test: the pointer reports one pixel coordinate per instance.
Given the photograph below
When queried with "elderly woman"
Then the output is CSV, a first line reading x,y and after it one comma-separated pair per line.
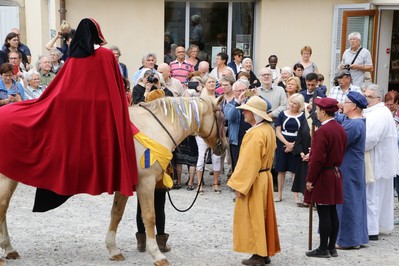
x,y
309,66
287,125
12,43
55,58
286,72
33,90
248,67
10,90
122,67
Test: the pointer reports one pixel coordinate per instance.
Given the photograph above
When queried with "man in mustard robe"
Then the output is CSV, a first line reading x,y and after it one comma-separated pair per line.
x,y
255,224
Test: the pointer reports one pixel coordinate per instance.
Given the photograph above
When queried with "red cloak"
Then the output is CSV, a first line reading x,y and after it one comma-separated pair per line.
x,y
77,137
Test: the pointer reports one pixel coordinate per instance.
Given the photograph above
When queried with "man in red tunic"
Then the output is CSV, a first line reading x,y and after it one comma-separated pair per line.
x,y
77,137
324,179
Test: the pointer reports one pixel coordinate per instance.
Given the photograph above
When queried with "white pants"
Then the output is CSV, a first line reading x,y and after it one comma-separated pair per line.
x,y
380,206
201,153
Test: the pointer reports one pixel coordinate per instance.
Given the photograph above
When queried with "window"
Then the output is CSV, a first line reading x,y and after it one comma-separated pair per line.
x,y
219,33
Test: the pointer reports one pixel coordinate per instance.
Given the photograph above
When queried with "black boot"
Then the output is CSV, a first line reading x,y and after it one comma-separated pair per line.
x,y
161,241
141,241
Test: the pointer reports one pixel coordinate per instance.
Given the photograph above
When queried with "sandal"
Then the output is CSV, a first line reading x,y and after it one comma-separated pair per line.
x,y
177,186
216,188
190,187
200,190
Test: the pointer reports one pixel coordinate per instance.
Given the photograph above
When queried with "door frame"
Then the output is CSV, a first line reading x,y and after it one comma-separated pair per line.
x,y
361,13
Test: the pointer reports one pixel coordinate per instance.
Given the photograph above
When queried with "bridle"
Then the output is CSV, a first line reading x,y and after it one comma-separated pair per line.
x,y
216,121
219,145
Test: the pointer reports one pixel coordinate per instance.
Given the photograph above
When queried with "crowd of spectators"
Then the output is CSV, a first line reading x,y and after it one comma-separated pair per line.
x,y
290,93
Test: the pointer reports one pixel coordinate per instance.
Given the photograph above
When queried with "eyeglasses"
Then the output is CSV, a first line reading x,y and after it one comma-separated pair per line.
x,y
240,55
369,97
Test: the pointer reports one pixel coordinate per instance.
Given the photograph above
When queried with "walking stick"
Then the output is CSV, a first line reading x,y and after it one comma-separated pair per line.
x,y
311,203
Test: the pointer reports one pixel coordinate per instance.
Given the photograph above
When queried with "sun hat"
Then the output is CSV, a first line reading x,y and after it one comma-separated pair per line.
x,y
256,105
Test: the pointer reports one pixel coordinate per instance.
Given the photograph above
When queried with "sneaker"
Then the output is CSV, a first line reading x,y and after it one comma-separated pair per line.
x,y
317,253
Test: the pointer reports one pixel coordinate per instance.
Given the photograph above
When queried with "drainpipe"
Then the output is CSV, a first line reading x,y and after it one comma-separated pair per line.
x,y
62,11
62,14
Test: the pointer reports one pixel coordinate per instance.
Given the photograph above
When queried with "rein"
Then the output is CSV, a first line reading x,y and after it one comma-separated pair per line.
x,y
177,147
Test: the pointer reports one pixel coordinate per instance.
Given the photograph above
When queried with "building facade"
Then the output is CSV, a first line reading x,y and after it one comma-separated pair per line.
x,y
260,27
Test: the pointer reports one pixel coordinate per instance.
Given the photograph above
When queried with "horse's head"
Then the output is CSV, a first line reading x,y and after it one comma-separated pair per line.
x,y
212,126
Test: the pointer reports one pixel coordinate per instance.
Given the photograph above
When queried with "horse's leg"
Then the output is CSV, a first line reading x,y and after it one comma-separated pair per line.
x,y
7,188
145,192
118,207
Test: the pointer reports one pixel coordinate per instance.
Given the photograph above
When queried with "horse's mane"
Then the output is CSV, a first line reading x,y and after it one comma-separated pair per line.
x,y
182,109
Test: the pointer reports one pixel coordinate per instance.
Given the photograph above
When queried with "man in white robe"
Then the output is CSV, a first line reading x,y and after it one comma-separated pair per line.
x,y
381,143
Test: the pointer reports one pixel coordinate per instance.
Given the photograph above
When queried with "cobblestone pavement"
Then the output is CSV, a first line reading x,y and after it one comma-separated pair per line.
x,y
74,233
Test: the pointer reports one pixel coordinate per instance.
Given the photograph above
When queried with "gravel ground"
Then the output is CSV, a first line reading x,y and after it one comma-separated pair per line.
x,y
74,234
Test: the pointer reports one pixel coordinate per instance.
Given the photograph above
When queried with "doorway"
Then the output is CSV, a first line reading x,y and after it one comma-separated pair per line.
x,y
394,51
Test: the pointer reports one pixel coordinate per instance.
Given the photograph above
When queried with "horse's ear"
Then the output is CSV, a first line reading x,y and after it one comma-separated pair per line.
x,y
219,100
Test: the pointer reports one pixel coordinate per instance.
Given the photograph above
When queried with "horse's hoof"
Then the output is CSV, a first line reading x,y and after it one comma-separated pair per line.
x,y
162,262
118,257
12,256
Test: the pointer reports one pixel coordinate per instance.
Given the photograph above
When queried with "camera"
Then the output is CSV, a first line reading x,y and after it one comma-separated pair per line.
x,y
152,79
347,67
193,85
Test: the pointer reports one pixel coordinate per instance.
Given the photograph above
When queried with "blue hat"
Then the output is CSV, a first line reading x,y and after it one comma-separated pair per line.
x,y
358,99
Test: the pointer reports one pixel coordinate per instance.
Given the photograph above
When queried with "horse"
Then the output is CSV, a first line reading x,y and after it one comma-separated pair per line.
x,y
168,121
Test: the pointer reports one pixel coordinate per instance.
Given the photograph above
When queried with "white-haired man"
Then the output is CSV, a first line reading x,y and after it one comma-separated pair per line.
x,y
357,59
381,143
149,60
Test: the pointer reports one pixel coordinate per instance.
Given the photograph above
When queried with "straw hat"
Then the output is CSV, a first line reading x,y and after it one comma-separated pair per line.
x,y
256,105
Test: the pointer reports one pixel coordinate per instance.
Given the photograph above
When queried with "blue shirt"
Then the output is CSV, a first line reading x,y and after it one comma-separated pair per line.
x,y
16,87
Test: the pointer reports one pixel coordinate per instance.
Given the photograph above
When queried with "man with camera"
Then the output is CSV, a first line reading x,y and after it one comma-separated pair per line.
x,y
356,59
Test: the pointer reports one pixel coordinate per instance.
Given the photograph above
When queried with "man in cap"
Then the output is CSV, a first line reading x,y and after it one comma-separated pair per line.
x,y
344,86
381,142
353,213
324,179
255,223
357,59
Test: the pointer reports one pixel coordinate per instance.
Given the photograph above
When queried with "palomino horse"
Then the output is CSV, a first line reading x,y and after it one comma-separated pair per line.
x,y
166,120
